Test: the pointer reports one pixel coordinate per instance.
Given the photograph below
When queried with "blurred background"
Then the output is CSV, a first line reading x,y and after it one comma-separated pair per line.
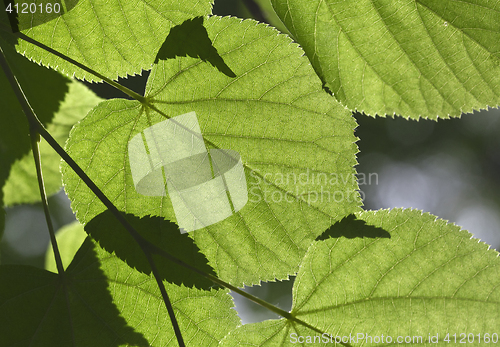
x,y
449,168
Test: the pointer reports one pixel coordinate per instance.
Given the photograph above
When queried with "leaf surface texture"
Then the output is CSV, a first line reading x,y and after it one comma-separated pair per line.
x,y
115,38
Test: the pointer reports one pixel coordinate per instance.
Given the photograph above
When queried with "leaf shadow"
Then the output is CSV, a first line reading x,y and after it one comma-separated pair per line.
x,y
350,227
53,310
191,39
113,237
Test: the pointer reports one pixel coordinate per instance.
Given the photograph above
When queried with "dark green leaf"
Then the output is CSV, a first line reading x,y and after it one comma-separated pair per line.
x,y
98,302
45,89
40,308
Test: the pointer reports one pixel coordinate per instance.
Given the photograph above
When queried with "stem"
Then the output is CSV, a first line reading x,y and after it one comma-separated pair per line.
x,y
166,299
263,303
36,155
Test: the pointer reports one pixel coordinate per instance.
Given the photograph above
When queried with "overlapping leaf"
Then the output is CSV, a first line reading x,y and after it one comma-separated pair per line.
x,y
112,235
115,38
415,58
428,278
99,301
295,141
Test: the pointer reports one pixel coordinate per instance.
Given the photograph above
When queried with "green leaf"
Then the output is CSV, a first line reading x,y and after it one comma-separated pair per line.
x,y
98,302
69,240
22,185
115,38
296,143
40,308
424,58
429,278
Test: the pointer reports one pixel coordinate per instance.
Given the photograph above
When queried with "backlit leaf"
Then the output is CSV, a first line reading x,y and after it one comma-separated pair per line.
x,y
296,145
115,38
426,280
414,58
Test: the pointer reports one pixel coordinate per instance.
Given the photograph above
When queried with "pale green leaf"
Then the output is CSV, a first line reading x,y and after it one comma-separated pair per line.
x,y
414,58
22,185
115,38
69,240
296,143
427,279
100,301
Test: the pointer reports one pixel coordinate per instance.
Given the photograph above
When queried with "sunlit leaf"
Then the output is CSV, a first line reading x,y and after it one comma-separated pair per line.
x,y
423,58
427,279
115,38
296,145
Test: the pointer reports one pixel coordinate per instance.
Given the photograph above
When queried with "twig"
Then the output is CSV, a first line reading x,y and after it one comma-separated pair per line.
x,y
34,137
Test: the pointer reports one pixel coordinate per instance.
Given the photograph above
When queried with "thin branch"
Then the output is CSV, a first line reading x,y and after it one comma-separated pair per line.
x,y
34,137
263,303
118,86
166,299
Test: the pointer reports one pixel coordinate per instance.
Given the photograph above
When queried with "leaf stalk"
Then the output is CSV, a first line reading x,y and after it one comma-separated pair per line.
x,y
35,142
